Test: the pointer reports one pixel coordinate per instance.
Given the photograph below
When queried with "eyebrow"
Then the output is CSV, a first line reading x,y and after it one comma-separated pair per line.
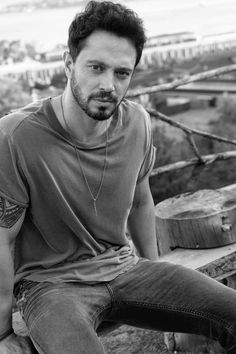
x,y
94,61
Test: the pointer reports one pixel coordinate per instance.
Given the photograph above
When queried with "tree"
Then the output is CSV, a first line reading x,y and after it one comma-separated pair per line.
x,y
12,95
169,150
59,80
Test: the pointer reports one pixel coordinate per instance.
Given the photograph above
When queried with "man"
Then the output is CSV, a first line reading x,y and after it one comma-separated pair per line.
x,y
73,182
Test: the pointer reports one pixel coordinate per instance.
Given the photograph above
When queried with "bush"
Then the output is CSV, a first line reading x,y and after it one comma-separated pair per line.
x,y
191,179
168,151
12,95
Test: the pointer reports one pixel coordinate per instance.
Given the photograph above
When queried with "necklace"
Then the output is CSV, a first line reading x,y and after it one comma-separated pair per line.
x,y
93,196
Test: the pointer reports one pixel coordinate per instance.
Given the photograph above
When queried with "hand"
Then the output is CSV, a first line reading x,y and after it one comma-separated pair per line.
x,y
15,344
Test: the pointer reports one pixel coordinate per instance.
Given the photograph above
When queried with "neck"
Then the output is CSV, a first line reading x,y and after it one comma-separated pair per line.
x,y
82,127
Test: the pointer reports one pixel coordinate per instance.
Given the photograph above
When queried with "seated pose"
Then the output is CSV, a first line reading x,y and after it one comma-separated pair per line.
x,y
74,182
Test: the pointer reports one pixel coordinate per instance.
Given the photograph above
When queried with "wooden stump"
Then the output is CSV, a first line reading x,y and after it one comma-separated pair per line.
x,y
191,344
204,219
198,230
19,325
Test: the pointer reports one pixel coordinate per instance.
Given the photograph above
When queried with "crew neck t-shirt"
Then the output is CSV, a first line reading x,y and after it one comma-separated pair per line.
x,y
62,239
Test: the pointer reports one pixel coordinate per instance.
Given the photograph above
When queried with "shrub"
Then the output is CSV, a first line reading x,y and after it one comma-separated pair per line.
x,y
12,95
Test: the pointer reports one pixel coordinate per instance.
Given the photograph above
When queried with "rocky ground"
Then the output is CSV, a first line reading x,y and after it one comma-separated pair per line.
x,y
131,340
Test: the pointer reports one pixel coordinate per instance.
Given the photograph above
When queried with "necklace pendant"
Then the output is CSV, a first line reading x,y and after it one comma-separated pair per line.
x,y
94,196
95,207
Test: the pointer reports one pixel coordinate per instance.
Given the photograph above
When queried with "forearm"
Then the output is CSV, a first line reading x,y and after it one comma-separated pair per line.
x,y
11,219
12,343
6,289
142,230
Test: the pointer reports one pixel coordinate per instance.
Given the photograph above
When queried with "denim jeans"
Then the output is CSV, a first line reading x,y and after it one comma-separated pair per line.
x,y
65,317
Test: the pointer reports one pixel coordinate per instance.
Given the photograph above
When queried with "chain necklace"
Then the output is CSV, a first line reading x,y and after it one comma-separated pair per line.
x,y
96,195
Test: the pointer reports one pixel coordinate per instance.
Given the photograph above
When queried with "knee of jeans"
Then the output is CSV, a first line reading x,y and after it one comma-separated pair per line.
x,y
52,305
39,301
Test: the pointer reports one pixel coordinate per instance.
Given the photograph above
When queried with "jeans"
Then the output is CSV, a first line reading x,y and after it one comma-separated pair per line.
x,y
65,317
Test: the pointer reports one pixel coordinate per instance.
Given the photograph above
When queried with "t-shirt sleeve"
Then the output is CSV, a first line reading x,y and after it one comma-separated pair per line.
x,y
13,185
150,151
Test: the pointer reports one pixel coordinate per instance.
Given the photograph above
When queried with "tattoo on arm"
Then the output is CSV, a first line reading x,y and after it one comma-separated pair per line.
x,y
9,213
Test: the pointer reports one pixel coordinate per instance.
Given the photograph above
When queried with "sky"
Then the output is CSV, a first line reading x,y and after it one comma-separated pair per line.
x,y
162,3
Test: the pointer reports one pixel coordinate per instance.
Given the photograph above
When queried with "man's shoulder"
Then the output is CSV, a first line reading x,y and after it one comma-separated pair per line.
x,y
13,121
135,114
131,107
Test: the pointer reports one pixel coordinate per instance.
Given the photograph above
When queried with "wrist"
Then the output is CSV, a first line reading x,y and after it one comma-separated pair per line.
x,y
6,334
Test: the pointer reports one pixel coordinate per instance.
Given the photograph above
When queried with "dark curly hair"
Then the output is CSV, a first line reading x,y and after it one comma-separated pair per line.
x,y
110,17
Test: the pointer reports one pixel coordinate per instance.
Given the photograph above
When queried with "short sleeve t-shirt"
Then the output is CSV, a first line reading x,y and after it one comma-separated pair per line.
x,y
62,239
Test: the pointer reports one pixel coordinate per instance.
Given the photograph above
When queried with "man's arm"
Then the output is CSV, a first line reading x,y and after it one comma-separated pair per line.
x,y
11,219
141,222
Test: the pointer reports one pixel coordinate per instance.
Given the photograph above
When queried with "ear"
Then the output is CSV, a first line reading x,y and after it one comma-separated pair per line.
x,y
68,64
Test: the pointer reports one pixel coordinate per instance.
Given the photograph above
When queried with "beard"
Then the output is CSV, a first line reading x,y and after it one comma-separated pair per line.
x,y
100,113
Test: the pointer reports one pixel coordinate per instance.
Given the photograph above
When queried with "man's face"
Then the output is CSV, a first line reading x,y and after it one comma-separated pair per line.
x,y
101,73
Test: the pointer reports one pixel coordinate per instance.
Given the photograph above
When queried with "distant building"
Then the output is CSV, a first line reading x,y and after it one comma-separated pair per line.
x,y
161,50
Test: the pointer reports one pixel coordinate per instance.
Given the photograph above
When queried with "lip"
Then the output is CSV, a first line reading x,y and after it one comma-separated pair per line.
x,y
104,100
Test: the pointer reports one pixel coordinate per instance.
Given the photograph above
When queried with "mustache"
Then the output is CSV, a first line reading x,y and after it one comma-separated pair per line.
x,y
104,95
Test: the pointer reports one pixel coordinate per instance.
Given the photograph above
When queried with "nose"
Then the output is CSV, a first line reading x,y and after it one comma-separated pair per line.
x,y
107,82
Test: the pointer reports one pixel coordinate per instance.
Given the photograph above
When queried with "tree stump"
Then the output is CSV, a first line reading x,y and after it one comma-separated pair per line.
x,y
198,230
191,344
204,219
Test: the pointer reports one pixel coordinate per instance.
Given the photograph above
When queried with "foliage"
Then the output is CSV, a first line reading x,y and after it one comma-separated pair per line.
x,y
226,125
59,80
169,150
227,108
158,100
191,179
221,173
12,95
15,51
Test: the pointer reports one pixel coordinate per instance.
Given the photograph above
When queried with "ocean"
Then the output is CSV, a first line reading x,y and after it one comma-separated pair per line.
x,y
49,27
